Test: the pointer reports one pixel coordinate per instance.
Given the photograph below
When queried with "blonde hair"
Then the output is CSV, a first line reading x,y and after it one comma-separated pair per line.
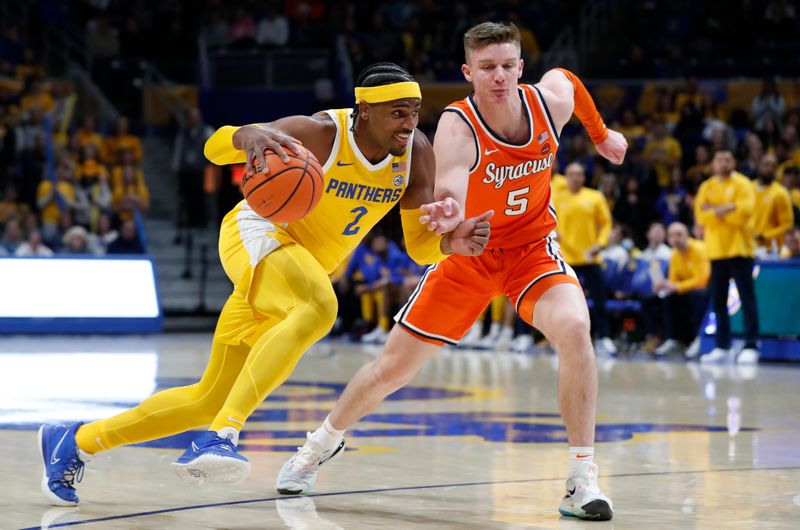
x,y
487,33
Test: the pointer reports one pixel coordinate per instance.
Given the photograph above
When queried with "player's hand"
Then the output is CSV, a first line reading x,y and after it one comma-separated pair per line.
x,y
442,216
254,140
471,236
613,148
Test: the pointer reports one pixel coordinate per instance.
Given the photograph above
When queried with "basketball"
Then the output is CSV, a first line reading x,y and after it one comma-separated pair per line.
x,y
289,191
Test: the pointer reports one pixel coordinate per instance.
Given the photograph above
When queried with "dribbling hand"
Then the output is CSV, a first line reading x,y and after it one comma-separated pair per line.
x,y
613,148
442,216
254,139
471,236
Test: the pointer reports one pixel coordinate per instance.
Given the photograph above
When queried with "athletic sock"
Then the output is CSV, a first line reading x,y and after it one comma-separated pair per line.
x,y
578,455
327,437
230,433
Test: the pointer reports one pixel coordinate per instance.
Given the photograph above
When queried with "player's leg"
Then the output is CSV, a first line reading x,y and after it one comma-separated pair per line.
x,y
418,336
65,448
290,292
552,301
719,283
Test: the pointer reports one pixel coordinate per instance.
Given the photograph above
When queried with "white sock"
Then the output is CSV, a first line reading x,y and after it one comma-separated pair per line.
x,y
230,433
578,455
327,437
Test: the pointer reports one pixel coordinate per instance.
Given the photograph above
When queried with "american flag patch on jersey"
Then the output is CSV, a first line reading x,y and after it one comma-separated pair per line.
x,y
543,137
397,167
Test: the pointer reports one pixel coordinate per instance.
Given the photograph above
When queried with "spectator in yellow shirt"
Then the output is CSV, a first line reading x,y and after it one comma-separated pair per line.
x,y
54,201
724,206
129,192
88,135
662,151
684,290
121,141
584,224
772,215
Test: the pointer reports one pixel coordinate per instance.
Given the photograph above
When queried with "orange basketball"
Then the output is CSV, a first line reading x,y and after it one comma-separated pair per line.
x,y
289,191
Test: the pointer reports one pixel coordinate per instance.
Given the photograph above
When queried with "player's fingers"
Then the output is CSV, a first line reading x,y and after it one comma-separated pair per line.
x,y
482,232
432,226
427,208
475,247
276,148
424,219
482,240
260,160
485,216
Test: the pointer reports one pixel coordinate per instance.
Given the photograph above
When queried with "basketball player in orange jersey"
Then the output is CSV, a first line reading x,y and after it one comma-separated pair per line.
x,y
494,150
283,300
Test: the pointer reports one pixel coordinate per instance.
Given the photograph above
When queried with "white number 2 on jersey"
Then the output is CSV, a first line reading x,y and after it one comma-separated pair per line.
x,y
517,201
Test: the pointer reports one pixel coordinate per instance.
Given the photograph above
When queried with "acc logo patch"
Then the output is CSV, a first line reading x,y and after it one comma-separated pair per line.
x,y
398,180
545,149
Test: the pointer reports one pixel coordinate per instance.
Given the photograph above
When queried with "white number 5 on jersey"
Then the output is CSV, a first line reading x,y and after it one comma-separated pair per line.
x,y
517,202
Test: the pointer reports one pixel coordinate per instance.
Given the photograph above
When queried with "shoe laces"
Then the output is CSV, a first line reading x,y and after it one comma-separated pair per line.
x,y
223,443
308,455
73,472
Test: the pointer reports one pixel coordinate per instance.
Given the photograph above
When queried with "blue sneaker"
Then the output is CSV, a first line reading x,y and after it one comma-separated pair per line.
x,y
213,459
62,463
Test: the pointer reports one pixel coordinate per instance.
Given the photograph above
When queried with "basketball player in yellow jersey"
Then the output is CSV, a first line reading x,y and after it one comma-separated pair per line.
x,y
283,300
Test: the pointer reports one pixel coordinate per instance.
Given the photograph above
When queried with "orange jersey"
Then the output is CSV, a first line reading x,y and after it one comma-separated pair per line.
x,y
513,180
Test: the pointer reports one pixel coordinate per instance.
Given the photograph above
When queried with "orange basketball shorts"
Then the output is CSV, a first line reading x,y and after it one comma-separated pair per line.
x,y
452,294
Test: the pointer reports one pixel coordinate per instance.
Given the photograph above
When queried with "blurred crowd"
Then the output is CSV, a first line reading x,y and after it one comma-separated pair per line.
x,y
63,188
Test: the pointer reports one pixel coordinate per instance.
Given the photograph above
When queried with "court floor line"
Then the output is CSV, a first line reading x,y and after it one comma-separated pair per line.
x,y
399,488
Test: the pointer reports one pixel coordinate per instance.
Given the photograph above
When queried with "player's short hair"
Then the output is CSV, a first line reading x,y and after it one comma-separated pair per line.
x,y
487,33
379,74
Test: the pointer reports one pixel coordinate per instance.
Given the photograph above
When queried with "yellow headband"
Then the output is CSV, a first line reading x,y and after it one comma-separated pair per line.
x,y
380,94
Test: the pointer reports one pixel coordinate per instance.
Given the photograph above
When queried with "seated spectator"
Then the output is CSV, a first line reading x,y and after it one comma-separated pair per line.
x,y
791,181
76,241
12,235
37,97
53,201
93,194
674,203
33,247
662,151
700,170
768,105
242,29
273,30
10,205
119,142
684,290
130,193
634,210
650,270
105,234
128,241
791,245
88,135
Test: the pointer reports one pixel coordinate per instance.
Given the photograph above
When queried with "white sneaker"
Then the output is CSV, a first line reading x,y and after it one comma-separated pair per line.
x,y
522,344
747,356
716,355
489,341
473,336
694,349
376,336
606,346
668,347
584,498
299,474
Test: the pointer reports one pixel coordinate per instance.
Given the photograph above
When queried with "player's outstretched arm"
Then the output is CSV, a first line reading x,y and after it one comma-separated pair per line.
x,y
246,144
564,94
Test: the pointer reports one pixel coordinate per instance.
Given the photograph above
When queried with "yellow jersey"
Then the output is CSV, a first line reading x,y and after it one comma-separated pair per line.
x,y
772,215
690,270
356,195
583,221
731,236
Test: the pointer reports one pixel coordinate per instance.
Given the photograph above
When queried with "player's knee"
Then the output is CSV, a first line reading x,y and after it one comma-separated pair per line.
x,y
389,375
323,306
573,331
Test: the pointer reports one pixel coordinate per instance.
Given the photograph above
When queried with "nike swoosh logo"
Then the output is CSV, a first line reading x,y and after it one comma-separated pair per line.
x,y
582,456
488,152
336,452
194,447
234,420
572,491
339,163
53,459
